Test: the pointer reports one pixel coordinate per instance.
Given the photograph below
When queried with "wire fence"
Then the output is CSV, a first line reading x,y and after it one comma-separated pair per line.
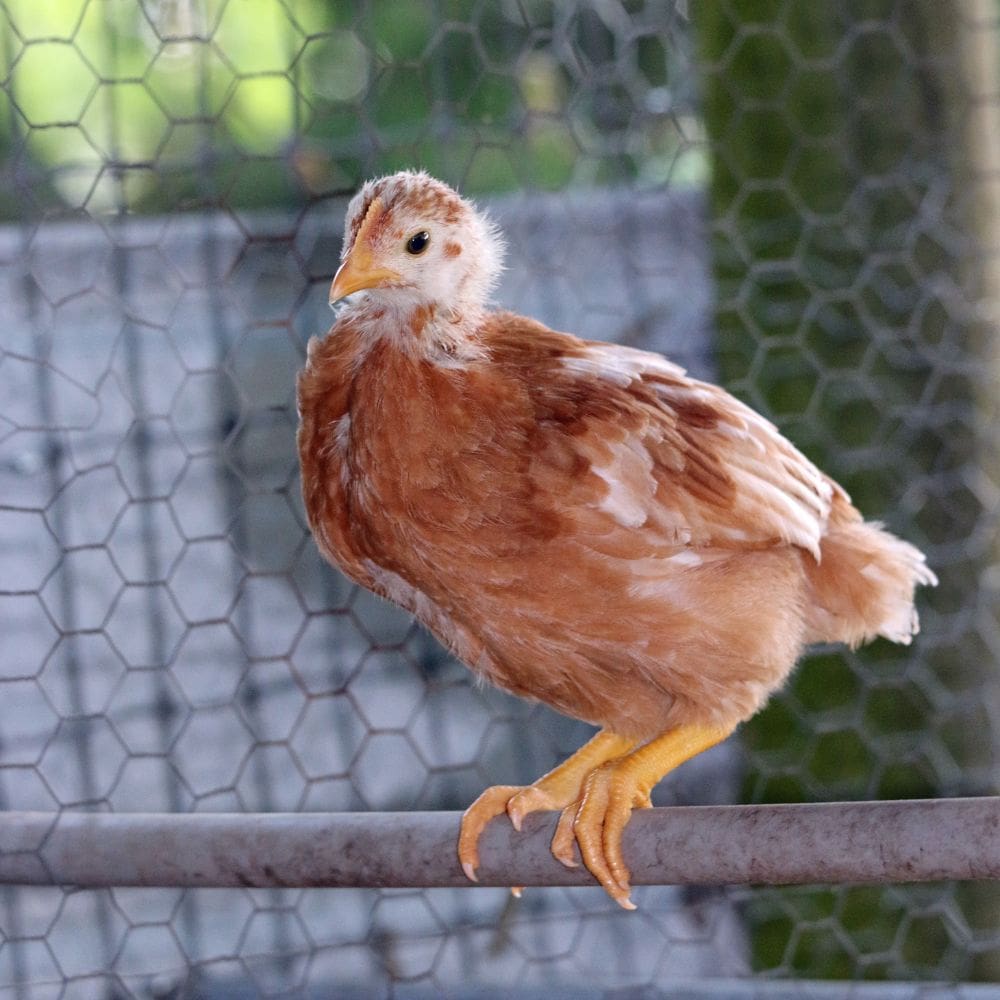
x,y
797,201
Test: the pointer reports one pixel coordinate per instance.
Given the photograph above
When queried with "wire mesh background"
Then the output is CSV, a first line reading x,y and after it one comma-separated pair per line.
x,y
776,195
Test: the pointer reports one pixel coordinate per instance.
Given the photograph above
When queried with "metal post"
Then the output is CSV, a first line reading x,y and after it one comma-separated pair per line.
x,y
908,841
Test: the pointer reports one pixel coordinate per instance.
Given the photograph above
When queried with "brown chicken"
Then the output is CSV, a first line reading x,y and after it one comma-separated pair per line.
x,y
580,523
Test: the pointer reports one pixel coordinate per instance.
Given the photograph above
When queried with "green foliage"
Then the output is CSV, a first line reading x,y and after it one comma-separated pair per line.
x,y
257,103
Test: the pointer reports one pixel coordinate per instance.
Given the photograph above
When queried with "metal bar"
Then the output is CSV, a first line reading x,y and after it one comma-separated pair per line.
x,y
910,841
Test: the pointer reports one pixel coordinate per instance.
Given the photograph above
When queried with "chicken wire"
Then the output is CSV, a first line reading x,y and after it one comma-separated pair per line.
x,y
778,199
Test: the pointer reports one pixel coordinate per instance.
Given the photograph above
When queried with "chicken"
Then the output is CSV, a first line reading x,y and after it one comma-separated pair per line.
x,y
580,523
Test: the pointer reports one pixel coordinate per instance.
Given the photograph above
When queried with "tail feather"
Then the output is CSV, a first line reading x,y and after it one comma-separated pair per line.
x,y
863,586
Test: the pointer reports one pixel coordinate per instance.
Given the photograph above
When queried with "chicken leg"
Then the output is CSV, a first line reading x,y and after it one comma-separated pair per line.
x,y
612,790
596,789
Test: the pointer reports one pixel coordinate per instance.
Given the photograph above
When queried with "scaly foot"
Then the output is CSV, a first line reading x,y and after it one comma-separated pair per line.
x,y
596,823
597,789
515,800
610,793
556,790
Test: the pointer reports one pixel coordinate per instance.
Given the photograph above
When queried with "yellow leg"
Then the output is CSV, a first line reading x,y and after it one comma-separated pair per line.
x,y
561,787
613,789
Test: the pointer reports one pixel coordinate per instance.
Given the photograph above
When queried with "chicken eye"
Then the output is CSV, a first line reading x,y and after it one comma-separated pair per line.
x,y
417,243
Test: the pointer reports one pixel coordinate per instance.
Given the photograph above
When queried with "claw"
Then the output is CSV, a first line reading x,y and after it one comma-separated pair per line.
x,y
612,790
563,841
618,814
588,828
489,805
597,789
561,788
609,796
525,801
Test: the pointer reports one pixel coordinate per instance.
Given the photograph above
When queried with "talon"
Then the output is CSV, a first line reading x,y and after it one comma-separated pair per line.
x,y
604,811
563,841
489,805
588,828
597,789
564,787
623,803
527,800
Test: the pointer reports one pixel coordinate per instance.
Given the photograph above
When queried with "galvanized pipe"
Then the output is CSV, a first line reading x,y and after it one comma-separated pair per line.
x,y
912,841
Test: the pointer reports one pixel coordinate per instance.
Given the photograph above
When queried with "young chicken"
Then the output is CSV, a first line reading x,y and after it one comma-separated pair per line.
x,y
580,523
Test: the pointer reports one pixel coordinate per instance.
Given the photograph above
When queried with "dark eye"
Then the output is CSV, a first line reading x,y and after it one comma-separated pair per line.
x,y
417,243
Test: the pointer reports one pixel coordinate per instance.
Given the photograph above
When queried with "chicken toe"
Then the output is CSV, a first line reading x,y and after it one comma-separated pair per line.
x,y
558,789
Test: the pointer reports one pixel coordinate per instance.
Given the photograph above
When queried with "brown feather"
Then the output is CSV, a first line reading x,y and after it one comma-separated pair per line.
x,y
585,525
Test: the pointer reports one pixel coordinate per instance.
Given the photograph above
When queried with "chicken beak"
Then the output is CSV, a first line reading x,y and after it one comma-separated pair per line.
x,y
359,270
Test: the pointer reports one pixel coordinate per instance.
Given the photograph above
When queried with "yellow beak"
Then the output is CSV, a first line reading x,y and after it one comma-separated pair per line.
x,y
359,270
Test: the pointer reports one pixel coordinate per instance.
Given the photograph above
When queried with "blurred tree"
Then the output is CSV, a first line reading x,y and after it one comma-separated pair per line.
x,y
977,92
257,103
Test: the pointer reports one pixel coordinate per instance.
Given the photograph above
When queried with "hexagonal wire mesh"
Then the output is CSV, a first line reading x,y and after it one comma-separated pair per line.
x,y
789,197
